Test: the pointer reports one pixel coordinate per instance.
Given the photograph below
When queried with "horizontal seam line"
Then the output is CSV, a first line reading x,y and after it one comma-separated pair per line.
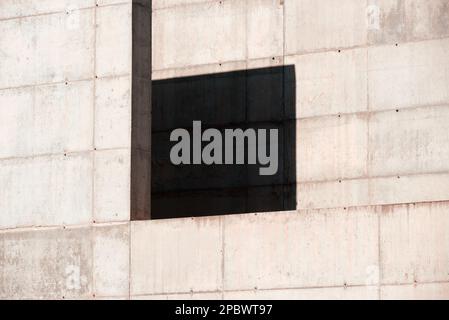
x,y
62,11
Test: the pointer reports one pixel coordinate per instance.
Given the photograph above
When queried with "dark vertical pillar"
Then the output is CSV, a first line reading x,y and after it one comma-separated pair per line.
x,y
141,111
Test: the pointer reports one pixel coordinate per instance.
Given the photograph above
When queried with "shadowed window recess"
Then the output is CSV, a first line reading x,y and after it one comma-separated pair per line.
x,y
248,99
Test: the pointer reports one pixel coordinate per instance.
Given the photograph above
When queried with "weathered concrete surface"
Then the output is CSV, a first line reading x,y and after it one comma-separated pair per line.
x,y
47,119
50,48
312,25
428,19
412,141
330,83
410,20
347,260
333,194
410,189
305,249
338,293
331,148
374,191
380,170
54,263
182,296
113,40
414,243
112,185
202,69
20,8
265,34
61,113
59,263
46,190
399,75
113,113
65,159
176,256
159,4
111,260
224,38
268,251
428,291
389,21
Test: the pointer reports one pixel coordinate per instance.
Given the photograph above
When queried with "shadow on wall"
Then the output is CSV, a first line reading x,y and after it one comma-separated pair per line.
x,y
259,99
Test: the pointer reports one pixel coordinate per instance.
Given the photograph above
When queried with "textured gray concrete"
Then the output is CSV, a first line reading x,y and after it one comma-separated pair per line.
x,y
372,150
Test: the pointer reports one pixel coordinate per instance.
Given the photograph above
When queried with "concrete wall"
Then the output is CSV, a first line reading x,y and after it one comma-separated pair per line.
x,y
67,96
372,150
246,99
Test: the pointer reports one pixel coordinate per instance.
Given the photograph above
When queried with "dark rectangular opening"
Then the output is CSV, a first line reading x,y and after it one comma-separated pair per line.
x,y
248,99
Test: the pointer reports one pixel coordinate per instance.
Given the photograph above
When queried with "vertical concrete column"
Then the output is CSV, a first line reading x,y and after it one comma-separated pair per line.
x,y
141,110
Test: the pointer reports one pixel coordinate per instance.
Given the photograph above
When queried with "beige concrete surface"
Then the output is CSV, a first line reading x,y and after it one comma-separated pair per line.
x,y
372,149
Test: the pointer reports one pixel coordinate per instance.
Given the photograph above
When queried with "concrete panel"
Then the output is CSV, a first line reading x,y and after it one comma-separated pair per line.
x,y
46,264
113,40
19,8
160,4
409,20
312,25
427,291
331,148
181,255
112,185
54,190
113,113
414,243
427,19
265,28
111,260
373,191
182,296
199,34
409,75
52,48
410,141
337,293
46,119
388,21
409,189
333,194
330,83
281,250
